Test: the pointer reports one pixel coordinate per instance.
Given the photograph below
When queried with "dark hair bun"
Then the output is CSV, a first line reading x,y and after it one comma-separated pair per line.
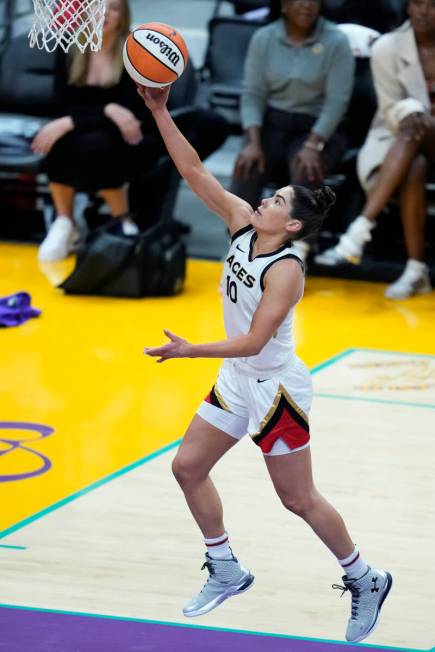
x,y
324,198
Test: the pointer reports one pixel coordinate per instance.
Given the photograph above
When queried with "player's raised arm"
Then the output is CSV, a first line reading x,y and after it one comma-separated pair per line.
x,y
233,210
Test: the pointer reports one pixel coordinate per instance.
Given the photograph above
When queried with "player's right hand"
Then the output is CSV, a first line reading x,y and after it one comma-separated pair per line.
x,y
154,98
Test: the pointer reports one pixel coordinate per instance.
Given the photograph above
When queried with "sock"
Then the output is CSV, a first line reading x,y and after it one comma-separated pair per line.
x,y
416,267
365,222
219,548
354,566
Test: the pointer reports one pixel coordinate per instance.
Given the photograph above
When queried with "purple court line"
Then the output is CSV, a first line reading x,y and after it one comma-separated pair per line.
x,y
25,630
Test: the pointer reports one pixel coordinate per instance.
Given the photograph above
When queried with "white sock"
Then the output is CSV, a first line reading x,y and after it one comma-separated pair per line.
x,y
416,267
219,548
62,218
354,566
365,222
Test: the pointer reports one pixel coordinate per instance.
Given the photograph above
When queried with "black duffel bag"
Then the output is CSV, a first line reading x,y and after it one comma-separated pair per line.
x,y
152,263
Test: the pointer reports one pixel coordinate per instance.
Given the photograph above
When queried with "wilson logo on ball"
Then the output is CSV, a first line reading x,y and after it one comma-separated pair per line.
x,y
155,54
165,49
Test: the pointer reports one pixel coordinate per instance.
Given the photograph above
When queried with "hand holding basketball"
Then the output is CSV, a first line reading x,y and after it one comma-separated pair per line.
x,y
154,98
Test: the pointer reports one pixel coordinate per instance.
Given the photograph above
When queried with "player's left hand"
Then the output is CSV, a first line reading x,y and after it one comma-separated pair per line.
x,y
176,348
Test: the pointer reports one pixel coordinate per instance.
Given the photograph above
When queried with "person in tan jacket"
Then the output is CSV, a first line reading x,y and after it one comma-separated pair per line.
x,y
400,146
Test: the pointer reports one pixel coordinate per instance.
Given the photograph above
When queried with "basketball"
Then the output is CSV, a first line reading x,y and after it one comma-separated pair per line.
x,y
155,54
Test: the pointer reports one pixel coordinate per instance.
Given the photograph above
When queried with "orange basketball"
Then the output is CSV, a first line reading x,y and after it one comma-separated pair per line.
x,y
155,54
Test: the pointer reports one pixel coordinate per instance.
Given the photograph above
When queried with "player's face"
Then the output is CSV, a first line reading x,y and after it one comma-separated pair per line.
x,y
422,15
272,217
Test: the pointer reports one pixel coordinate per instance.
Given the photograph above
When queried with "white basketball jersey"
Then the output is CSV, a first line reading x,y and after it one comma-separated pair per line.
x,y
243,285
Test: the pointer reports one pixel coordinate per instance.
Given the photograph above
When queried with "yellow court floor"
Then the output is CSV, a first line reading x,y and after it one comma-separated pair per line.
x,y
79,371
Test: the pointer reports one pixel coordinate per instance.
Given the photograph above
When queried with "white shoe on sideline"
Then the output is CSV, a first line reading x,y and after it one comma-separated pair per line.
x,y
413,280
129,227
59,240
350,246
301,249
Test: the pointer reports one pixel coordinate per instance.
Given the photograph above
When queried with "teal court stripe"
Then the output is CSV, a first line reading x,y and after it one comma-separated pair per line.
x,y
332,360
212,629
375,400
86,490
13,547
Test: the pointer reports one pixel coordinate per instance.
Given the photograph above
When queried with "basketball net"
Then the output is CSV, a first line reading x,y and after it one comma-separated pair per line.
x,y
65,23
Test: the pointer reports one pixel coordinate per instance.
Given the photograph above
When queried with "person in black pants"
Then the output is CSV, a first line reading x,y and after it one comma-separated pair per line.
x,y
298,80
103,138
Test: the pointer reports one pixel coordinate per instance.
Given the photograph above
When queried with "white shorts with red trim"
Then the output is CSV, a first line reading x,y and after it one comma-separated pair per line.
x,y
273,409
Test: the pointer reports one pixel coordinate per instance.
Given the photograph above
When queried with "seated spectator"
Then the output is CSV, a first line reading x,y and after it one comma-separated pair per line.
x,y
104,138
298,81
400,146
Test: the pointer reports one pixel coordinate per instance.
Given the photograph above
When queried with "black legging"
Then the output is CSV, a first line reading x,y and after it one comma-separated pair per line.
x,y
98,159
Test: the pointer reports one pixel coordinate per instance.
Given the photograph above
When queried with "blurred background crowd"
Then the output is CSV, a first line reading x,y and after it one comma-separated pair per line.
x,y
310,92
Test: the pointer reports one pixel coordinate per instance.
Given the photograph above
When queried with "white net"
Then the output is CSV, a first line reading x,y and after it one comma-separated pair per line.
x,y
65,23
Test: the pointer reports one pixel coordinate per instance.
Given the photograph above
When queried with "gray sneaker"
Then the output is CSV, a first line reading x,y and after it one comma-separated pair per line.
x,y
227,578
368,595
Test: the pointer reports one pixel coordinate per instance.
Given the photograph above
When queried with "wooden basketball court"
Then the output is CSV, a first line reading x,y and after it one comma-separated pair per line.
x,y
93,524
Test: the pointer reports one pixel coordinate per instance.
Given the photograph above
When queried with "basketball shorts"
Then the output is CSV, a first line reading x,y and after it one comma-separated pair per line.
x,y
273,409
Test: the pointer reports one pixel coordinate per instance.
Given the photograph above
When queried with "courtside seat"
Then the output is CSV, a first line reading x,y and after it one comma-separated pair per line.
x,y
221,76
26,103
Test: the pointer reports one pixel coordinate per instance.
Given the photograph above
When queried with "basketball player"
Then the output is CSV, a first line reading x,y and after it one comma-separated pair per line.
x,y
262,387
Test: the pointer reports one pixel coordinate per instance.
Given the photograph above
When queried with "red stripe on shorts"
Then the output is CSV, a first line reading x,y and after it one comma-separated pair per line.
x,y
286,428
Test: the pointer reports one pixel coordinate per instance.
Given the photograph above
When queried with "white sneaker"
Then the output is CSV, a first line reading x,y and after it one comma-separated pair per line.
x,y
227,577
368,595
59,240
413,280
350,246
129,227
301,249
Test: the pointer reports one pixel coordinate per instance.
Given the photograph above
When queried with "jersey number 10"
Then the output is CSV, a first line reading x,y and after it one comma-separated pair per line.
x,y
231,290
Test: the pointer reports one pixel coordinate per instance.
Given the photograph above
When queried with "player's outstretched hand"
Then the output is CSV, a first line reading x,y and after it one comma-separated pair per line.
x,y
176,348
154,98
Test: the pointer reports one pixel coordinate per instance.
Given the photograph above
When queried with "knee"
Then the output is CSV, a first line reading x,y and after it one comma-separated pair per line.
x,y
301,505
417,172
184,470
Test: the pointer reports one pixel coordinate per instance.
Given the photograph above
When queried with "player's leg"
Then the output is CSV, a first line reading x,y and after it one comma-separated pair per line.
x,y
59,240
217,427
203,445
292,478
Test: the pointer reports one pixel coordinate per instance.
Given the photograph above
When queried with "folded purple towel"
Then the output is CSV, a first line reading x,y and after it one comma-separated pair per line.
x,y
16,309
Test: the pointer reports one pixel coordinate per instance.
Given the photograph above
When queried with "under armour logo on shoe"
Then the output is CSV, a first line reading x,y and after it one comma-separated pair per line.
x,y
375,588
